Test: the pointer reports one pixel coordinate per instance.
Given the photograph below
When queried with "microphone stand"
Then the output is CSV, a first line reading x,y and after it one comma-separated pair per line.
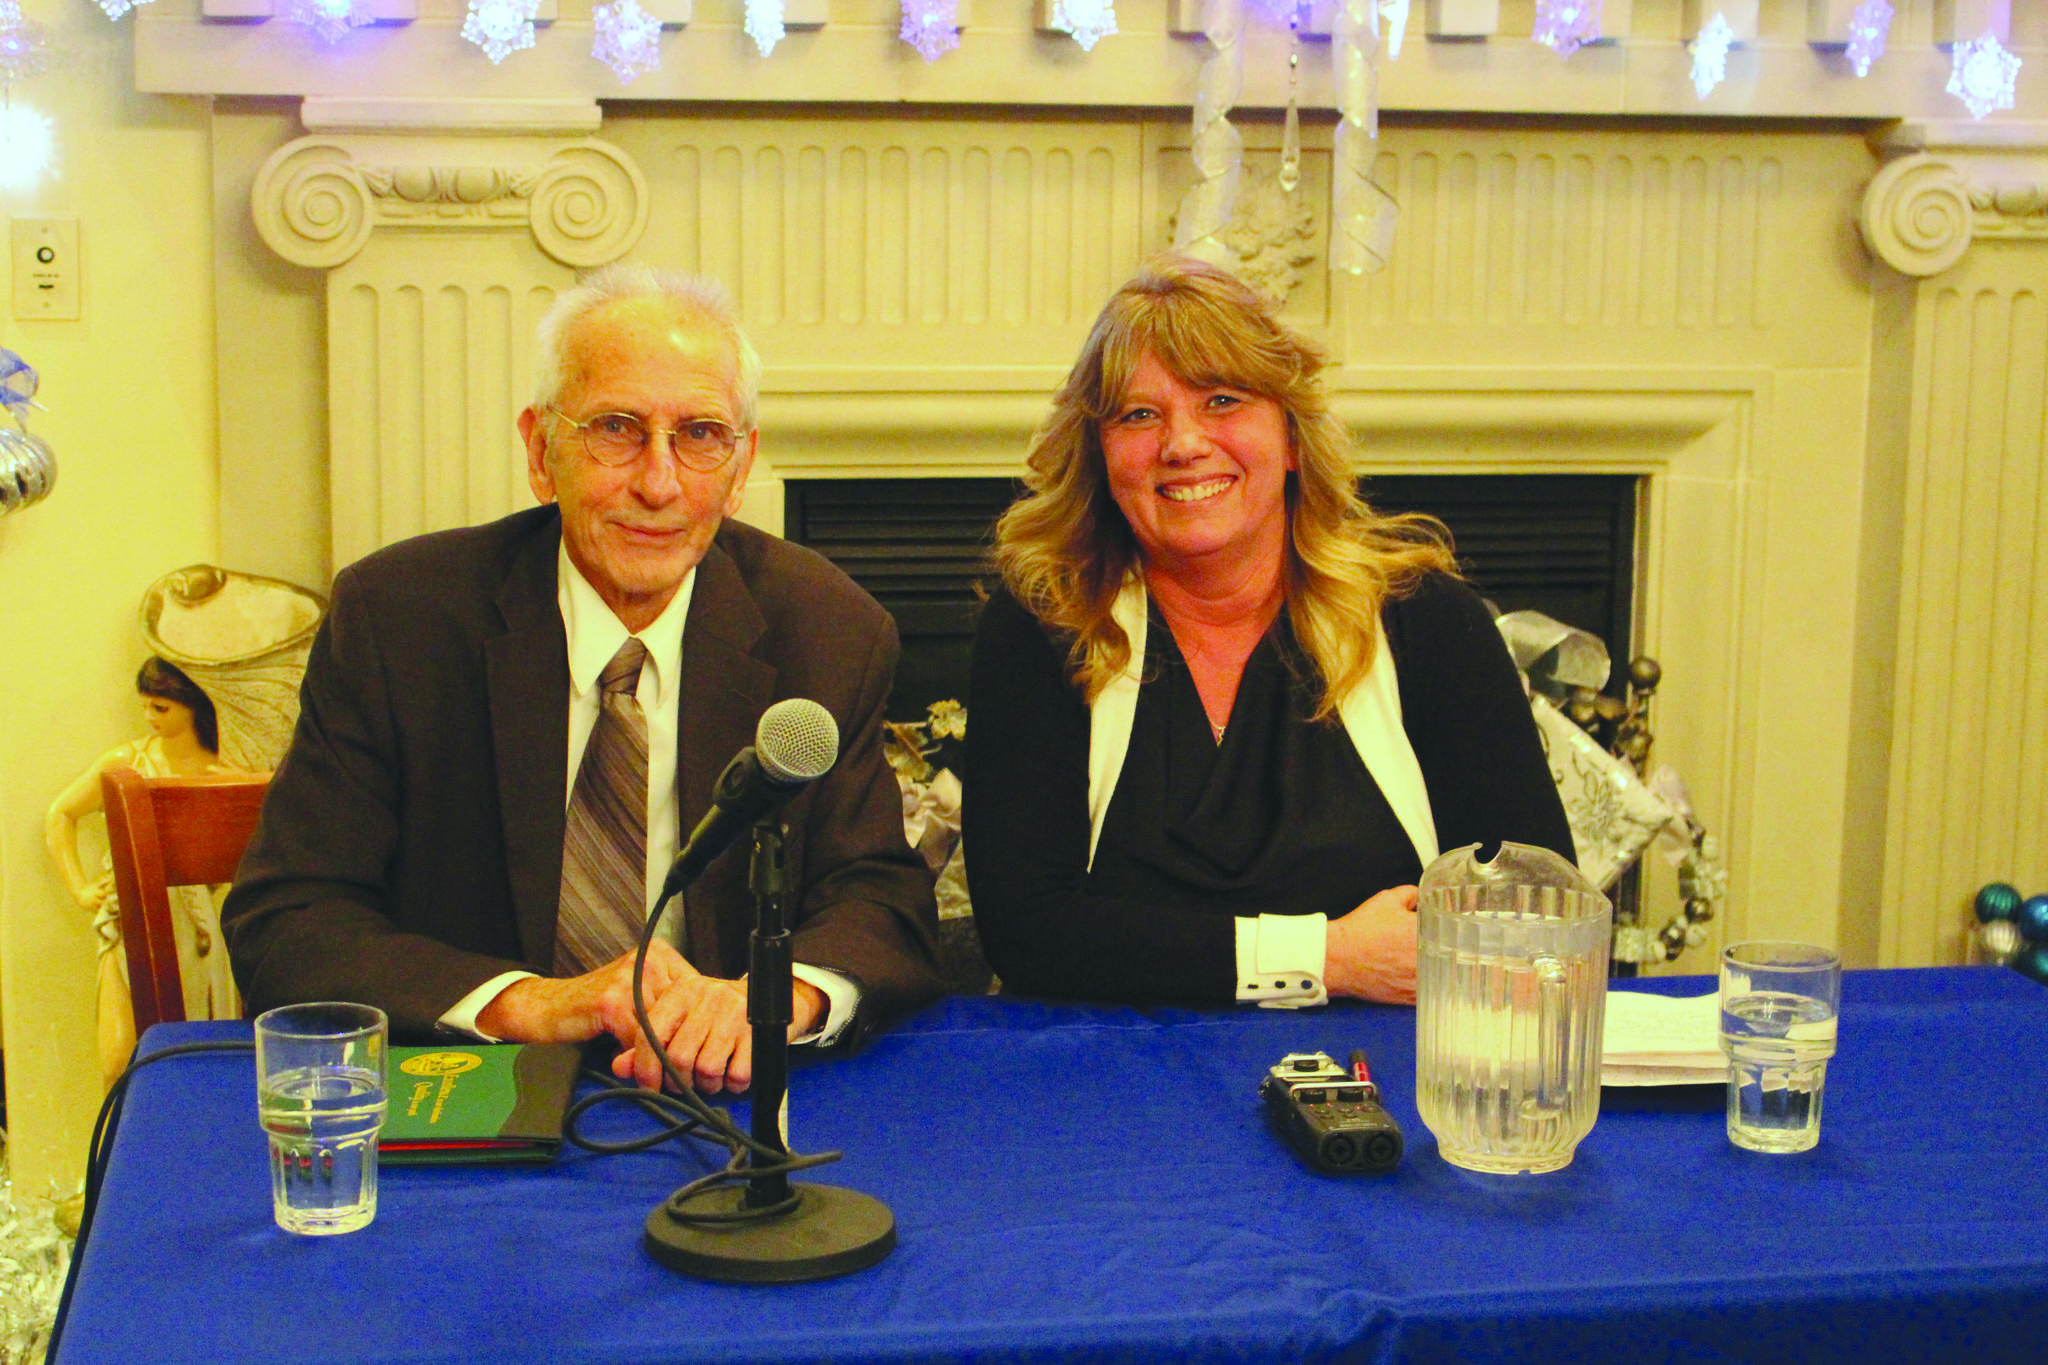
x,y
770,1231
770,1009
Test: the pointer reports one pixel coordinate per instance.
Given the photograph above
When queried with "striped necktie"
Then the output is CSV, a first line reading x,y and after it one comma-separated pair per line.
x,y
604,843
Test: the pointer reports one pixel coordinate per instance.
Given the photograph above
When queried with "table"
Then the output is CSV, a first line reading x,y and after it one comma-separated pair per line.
x,y
1076,1183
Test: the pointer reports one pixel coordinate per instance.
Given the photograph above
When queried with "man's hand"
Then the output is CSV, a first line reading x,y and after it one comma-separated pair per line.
x,y
1371,951
700,1021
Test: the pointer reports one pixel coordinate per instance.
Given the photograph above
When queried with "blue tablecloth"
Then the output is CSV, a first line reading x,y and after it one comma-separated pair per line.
x,y
1095,1184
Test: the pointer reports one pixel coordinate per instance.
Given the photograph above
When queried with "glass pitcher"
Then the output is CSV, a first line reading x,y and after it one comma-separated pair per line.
x,y
1511,993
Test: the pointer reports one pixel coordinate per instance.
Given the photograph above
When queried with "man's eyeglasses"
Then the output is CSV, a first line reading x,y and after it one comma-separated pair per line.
x,y
616,439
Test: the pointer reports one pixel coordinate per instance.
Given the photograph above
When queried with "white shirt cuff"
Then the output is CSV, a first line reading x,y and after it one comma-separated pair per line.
x,y
461,1016
842,997
1280,960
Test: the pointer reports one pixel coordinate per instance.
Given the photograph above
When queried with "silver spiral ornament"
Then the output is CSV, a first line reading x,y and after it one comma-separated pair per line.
x,y
28,469
589,206
311,204
1362,213
1217,148
1917,217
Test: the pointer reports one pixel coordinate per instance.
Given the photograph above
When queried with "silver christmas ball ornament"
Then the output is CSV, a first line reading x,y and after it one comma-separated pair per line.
x,y
1998,940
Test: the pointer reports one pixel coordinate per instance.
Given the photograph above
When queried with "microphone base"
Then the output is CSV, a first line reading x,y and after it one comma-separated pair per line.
x,y
829,1232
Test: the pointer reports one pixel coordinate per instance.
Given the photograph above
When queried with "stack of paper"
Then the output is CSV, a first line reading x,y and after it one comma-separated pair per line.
x,y
1662,1040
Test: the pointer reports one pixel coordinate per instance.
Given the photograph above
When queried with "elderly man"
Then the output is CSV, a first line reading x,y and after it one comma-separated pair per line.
x,y
506,727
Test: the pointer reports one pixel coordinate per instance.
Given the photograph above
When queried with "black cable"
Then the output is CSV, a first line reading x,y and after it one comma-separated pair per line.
x,y
765,1160
683,1114
678,1121
104,1129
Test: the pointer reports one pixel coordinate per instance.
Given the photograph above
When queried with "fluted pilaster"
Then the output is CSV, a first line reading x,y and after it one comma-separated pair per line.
x,y
428,331
1967,797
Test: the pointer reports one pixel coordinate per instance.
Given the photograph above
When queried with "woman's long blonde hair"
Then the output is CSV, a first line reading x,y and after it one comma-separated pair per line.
x,y
1064,549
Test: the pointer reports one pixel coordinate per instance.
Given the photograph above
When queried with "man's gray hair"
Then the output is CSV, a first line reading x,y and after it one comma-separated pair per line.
x,y
699,300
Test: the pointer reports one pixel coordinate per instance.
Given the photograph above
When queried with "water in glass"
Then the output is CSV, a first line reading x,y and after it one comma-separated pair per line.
x,y
322,1122
1778,1045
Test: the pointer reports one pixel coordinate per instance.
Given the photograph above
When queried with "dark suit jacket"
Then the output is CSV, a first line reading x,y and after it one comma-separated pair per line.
x,y
411,843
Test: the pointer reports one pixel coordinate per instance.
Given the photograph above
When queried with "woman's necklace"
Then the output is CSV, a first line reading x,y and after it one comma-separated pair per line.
x,y
1216,727
1216,654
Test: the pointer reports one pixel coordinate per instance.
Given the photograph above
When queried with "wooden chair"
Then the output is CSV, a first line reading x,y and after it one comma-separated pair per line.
x,y
164,832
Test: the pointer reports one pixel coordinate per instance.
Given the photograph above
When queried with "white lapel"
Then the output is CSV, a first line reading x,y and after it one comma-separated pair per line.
x,y
1372,717
1114,709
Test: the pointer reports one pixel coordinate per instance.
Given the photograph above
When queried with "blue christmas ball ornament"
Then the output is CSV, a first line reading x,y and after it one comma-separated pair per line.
x,y
2033,961
2032,919
1998,900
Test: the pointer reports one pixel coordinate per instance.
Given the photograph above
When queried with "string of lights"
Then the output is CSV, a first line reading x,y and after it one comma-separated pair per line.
x,y
625,37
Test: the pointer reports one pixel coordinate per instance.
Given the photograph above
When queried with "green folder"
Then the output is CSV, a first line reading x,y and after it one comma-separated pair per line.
x,y
478,1103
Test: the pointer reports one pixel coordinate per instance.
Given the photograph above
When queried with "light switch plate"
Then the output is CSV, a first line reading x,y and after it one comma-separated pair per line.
x,y
46,268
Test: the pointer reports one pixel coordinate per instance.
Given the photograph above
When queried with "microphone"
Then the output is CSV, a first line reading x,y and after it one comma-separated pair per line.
x,y
769,1230
796,743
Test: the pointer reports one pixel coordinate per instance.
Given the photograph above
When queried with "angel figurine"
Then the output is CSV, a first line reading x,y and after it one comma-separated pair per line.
x,y
183,741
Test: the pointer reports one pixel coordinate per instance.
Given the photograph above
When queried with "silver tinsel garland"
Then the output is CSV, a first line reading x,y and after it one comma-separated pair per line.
x,y
34,1254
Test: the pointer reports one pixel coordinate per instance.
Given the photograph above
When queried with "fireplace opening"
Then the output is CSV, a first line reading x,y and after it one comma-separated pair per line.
x,y
1561,544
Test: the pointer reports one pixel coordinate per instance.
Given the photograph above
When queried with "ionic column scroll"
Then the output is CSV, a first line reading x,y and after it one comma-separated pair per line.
x,y
1923,211
317,200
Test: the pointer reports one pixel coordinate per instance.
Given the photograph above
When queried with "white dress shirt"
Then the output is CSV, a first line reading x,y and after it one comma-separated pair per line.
x,y
594,635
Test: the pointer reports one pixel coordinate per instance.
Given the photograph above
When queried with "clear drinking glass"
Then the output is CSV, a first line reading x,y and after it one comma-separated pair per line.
x,y
320,1095
1779,1002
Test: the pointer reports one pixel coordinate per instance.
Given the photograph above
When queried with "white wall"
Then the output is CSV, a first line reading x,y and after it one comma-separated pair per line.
x,y
129,390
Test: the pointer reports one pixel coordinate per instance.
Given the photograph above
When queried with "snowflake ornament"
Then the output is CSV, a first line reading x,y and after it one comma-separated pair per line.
x,y
1867,30
1088,21
116,8
500,27
1395,12
1984,75
931,26
1565,26
1710,54
330,20
626,38
765,25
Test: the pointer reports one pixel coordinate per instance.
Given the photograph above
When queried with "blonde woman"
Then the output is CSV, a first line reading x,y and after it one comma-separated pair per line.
x,y
1224,713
